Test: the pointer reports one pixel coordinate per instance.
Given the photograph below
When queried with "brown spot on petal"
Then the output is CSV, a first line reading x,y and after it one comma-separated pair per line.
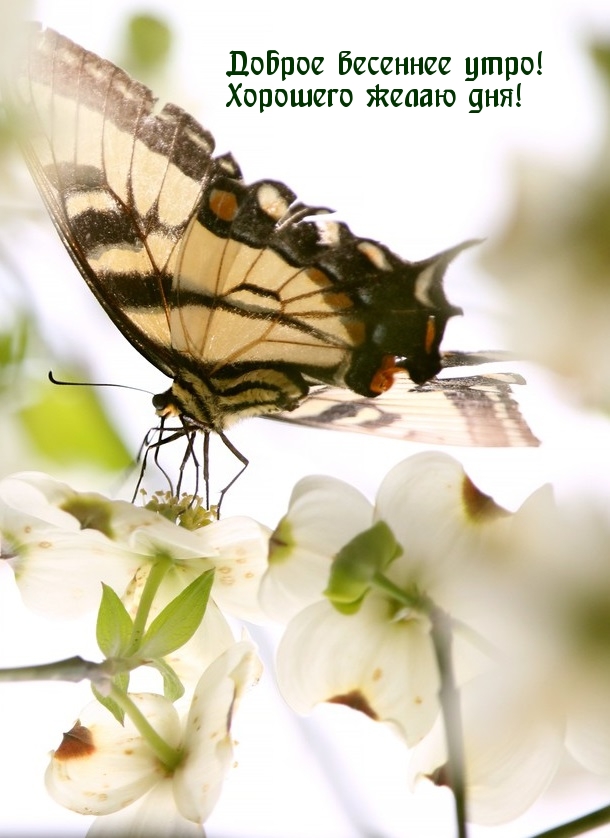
x,y
356,701
8,550
76,744
477,504
377,674
440,776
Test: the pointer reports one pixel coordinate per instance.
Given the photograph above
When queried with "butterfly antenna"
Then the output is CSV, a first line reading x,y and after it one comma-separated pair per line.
x,y
61,383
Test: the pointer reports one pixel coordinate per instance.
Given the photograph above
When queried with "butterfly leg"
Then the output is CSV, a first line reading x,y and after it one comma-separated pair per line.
x,y
148,446
189,454
143,453
243,460
206,467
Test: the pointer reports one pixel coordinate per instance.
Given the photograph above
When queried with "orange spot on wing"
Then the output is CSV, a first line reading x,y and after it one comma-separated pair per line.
x,y
223,204
319,277
430,334
384,377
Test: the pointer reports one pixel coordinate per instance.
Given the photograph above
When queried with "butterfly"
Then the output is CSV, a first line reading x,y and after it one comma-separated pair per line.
x,y
239,293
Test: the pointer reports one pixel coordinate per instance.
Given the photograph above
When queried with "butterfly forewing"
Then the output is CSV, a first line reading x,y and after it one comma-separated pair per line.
x,y
119,180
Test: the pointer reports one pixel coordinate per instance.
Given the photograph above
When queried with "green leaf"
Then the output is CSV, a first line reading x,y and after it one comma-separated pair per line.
x,y
121,682
600,53
172,685
69,426
149,41
114,625
179,619
13,343
356,565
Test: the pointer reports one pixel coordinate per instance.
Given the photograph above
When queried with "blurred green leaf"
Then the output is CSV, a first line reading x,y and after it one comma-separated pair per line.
x,y
72,427
148,44
13,343
600,53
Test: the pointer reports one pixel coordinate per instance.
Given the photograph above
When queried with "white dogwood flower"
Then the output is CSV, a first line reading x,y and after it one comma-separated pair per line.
x,y
427,533
62,543
107,769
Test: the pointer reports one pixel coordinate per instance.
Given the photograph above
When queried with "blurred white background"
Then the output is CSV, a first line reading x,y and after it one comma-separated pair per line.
x,y
418,179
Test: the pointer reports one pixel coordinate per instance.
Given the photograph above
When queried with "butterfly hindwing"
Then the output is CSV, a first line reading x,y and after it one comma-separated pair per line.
x,y
474,410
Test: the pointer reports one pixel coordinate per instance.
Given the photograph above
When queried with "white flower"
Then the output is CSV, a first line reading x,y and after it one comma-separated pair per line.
x,y
324,514
58,557
379,659
61,544
549,688
553,263
103,768
514,739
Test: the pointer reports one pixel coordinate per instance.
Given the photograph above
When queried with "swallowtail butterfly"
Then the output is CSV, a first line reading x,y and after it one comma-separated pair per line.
x,y
236,292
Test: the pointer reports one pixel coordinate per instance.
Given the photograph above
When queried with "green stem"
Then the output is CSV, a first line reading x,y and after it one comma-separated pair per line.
x,y
151,586
441,633
414,600
170,757
70,669
578,826
441,630
422,603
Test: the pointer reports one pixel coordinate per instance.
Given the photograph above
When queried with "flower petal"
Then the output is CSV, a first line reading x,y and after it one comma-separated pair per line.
x,y
102,766
513,744
38,495
153,816
235,547
386,668
241,546
207,740
588,736
439,517
324,514
59,573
